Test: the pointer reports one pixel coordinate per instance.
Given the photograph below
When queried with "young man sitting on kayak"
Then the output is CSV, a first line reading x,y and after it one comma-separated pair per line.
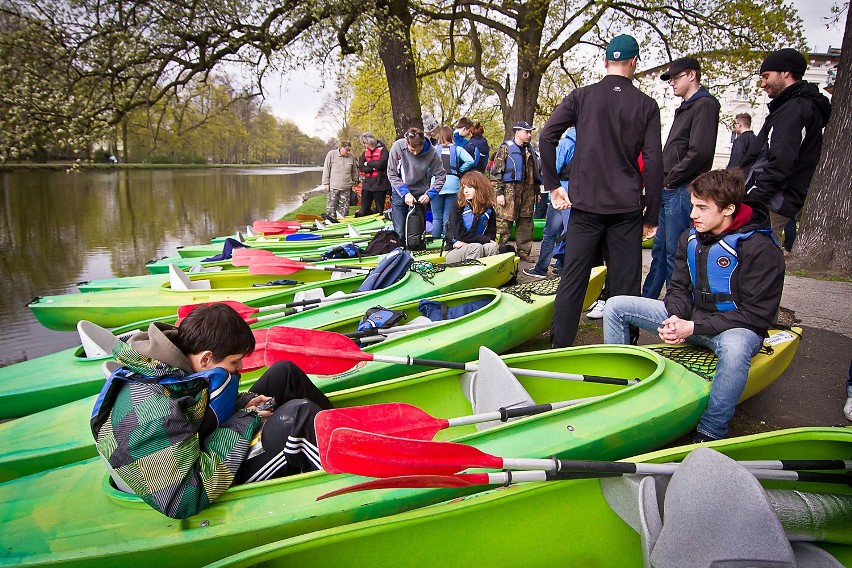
x,y
172,427
725,292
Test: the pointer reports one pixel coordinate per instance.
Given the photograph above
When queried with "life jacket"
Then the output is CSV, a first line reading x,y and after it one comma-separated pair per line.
x,y
468,216
717,270
564,155
480,152
223,387
449,158
514,170
369,155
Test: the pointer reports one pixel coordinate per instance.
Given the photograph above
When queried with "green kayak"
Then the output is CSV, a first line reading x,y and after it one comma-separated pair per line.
x,y
274,245
565,523
53,380
73,515
60,435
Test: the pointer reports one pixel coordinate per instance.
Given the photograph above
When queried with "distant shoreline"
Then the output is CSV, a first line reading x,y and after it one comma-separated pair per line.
x,y
83,166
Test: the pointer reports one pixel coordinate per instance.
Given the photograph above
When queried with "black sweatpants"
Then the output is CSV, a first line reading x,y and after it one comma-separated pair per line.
x,y
288,439
623,234
367,200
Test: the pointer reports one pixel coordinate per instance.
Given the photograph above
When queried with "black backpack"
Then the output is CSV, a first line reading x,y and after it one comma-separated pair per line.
x,y
382,243
415,226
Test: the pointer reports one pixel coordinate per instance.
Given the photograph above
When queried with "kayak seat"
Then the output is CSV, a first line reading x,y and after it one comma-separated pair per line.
x,y
493,387
202,268
178,280
717,514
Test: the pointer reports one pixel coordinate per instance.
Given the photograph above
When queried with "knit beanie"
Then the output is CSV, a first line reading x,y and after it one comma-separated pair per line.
x,y
787,59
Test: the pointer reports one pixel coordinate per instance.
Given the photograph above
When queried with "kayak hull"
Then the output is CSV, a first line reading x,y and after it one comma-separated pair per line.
x,y
573,524
58,378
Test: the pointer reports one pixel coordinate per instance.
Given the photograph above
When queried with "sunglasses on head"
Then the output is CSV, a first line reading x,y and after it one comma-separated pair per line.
x,y
414,134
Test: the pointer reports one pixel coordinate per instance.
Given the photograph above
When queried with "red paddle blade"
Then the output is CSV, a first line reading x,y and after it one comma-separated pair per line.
x,y
273,267
376,455
242,309
393,419
257,359
313,351
243,256
413,482
275,226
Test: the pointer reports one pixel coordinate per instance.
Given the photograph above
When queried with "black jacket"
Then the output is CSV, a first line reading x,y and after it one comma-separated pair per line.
x,y
781,162
691,144
615,123
757,281
456,230
740,148
380,182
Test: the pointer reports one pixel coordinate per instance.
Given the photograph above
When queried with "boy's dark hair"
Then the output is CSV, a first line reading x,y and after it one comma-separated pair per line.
x,y
464,122
722,187
217,328
477,129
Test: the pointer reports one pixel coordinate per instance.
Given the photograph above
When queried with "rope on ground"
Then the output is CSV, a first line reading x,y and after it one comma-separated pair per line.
x,y
546,287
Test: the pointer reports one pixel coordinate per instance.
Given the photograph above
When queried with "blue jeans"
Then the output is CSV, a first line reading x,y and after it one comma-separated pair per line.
x,y
734,348
673,221
398,212
441,207
553,229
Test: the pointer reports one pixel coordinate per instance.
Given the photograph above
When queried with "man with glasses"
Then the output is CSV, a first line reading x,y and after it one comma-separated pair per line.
x,y
416,175
688,152
615,123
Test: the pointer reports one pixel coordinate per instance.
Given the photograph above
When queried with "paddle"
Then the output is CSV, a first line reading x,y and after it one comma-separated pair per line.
x,y
377,455
282,266
241,257
303,237
508,477
407,421
308,217
257,359
329,353
246,311
275,226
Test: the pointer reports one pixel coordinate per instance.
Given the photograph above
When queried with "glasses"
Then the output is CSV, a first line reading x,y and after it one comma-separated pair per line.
x,y
673,80
412,134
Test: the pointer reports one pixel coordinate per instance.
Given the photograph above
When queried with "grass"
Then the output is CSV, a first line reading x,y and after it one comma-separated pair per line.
x,y
314,205
830,277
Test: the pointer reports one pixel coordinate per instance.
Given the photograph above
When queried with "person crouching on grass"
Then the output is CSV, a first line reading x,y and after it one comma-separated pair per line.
x,y
172,428
726,289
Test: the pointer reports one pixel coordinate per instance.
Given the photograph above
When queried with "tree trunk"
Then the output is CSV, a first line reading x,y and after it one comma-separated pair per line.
x,y
531,17
397,57
824,242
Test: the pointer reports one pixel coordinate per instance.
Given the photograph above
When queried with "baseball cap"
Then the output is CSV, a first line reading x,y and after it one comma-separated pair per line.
x,y
679,66
522,125
430,123
787,59
622,47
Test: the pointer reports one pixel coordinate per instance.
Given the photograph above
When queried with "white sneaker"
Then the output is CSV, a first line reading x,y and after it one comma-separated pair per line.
x,y
596,311
847,408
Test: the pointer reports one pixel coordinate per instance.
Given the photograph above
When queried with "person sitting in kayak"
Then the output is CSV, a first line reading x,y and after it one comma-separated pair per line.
x,y
172,428
472,228
725,293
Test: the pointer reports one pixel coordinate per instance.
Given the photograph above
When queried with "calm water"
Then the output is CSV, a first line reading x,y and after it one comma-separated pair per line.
x,y
59,229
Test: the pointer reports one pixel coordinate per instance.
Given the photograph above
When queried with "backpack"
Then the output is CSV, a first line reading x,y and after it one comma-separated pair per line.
x,y
415,226
382,242
380,318
389,270
439,311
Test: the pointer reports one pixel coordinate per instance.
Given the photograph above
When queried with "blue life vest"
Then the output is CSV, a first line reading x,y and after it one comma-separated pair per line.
x,y
564,155
449,158
468,215
718,269
514,169
223,386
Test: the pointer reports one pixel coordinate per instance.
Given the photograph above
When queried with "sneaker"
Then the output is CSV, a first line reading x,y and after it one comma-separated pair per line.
x,y
847,408
596,311
534,274
700,438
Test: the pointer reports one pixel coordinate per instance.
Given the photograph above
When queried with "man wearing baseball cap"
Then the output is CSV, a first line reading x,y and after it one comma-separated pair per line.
x,y
616,123
688,152
782,160
339,174
516,175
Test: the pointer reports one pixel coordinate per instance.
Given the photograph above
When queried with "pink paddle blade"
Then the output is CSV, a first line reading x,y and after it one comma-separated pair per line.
x,y
314,351
272,267
257,359
242,256
242,309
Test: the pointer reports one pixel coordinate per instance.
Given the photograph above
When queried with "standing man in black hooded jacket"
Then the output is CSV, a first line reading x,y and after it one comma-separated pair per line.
x,y
781,162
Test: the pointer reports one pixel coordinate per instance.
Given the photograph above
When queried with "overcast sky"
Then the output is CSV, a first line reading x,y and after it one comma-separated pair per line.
x,y
299,96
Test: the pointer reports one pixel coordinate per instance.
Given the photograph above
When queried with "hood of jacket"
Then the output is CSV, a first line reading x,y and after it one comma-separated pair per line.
x,y
153,353
804,90
699,94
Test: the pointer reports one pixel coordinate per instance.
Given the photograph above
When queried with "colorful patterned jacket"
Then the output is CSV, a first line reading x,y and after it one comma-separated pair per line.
x,y
160,438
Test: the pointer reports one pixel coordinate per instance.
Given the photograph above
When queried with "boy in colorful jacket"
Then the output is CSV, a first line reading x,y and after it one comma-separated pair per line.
x,y
726,289
172,428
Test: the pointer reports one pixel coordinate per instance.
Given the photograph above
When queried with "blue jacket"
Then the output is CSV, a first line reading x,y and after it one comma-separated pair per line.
x,y
564,155
477,147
